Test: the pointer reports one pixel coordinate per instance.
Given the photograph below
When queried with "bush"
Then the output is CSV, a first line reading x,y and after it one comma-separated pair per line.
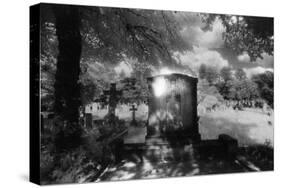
x,y
61,163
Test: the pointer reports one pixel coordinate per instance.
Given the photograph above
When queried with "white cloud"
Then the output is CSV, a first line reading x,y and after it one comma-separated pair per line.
x,y
266,61
125,67
195,36
199,56
244,58
256,70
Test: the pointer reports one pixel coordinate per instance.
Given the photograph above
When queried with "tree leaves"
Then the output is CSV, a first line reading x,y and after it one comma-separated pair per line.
x,y
253,35
265,84
148,35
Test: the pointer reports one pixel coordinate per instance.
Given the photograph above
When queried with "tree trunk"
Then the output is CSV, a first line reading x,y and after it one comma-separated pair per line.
x,y
67,88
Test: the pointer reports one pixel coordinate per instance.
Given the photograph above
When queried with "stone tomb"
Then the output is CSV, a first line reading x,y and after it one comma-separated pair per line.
x,y
171,133
172,112
173,107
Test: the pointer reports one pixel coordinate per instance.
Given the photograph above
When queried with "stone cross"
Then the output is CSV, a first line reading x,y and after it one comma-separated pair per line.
x,y
133,109
114,96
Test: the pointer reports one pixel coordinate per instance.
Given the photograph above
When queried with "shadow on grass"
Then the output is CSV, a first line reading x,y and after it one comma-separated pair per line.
x,y
187,160
184,162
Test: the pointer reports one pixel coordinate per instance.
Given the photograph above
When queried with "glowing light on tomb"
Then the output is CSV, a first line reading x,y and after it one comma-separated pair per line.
x,y
159,87
165,71
162,86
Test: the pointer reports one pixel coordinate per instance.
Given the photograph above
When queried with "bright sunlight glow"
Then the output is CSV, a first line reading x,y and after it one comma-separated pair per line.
x,y
159,86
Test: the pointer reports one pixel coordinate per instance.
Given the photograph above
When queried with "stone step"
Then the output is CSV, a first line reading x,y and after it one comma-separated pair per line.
x,y
156,141
167,152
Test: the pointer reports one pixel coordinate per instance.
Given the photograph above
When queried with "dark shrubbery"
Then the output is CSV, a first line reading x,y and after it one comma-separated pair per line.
x,y
64,159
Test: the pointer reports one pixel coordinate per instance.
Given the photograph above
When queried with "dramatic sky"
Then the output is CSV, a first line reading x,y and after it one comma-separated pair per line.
x,y
208,48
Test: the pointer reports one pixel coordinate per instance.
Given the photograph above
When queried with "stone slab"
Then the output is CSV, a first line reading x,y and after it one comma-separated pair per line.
x,y
135,135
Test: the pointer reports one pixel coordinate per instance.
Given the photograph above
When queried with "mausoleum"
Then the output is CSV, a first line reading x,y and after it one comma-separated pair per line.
x,y
173,106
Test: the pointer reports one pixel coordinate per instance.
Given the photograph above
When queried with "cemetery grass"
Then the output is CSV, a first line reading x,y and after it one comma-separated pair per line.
x,y
253,129
249,126
88,162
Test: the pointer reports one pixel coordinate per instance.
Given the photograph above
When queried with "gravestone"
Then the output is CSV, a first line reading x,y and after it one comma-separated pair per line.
x,y
89,120
173,107
113,97
136,134
133,109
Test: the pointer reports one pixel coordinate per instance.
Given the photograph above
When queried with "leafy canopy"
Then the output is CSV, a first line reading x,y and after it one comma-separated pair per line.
x,y
253,35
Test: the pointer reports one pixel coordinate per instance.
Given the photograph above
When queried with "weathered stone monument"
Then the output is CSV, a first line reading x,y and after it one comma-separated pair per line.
x,y
136,133
172,124
133,109
173,107
88,120
113,98
172,112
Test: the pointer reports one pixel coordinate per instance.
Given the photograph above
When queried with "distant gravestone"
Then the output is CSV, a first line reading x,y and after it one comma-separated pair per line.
x,y
135,135
114,96
133,109
89,120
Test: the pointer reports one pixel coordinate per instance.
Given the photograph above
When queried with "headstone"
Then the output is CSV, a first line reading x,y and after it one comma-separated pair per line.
x,y
113,98
135,135
89,120
133,109
230,144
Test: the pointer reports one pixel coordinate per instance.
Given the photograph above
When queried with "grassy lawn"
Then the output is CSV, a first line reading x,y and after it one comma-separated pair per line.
x,y
249,126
